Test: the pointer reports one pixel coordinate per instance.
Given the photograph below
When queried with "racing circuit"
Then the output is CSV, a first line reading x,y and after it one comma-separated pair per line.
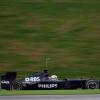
x,y
52,97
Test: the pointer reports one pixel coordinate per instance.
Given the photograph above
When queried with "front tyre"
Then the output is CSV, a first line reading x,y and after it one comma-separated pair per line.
x,y
92,84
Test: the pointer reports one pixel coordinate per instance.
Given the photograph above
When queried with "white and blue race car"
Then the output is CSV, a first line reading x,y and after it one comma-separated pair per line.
x,y
42,80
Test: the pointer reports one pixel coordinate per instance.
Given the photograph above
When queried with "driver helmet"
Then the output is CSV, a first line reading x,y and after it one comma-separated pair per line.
x,y
54,77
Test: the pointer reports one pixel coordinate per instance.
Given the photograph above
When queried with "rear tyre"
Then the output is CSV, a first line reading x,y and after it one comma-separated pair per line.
x,y
17,85
92,84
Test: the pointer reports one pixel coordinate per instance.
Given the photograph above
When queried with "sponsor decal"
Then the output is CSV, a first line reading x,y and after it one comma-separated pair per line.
x,y
5,82
32,79
47,86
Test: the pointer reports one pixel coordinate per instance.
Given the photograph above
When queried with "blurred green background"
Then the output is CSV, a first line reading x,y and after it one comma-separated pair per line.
x,y
62,36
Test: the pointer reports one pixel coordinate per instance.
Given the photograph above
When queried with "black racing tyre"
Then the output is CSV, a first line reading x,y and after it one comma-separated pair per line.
x,y
92,84
17,85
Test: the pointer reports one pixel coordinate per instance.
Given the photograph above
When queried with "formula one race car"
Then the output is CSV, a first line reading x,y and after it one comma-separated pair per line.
x,y
42,80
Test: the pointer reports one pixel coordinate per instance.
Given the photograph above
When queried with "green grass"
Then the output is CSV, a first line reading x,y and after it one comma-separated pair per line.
x,y
66,31
49,92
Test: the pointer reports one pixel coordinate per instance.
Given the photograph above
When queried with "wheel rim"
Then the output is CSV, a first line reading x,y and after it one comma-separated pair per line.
x,y
92,84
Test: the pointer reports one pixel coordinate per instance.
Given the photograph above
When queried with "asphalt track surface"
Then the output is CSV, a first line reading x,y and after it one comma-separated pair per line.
x,y
52,97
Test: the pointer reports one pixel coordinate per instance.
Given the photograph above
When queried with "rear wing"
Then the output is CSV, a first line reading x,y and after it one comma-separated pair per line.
x,y
9,76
